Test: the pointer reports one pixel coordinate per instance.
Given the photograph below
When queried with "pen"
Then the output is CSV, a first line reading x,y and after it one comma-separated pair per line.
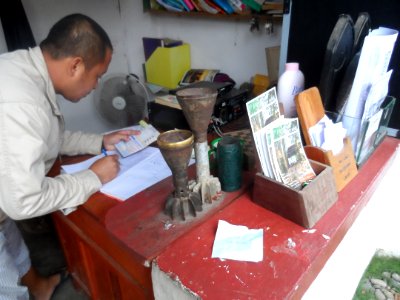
x,y
104,151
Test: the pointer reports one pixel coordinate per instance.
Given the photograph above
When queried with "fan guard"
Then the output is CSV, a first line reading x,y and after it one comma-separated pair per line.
x,y
121,99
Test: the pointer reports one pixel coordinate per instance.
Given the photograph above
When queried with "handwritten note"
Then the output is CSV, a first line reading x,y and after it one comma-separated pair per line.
x,y
137,172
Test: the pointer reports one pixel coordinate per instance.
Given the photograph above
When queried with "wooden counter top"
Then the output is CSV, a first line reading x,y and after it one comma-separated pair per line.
x,y
293,256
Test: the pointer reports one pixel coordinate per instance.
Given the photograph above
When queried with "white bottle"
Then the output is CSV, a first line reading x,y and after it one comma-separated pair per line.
x,y
290,83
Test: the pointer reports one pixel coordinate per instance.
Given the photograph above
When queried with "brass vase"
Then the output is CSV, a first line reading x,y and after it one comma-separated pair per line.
x,y
176,147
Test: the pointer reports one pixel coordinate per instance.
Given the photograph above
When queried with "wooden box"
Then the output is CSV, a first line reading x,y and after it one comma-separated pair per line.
x,y
304,207
310,110
343,164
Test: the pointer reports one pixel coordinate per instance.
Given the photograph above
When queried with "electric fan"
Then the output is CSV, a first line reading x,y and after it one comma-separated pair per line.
x,y
121,99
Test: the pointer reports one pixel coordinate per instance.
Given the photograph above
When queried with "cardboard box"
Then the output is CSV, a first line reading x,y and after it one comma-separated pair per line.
x,y
304,207
166,66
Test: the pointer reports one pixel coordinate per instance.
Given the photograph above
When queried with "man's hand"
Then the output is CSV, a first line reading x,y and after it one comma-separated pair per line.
x,y
109,140
106,168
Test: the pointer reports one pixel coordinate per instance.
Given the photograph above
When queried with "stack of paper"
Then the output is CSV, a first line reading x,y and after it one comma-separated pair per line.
x,y
278,142
371,80
137,172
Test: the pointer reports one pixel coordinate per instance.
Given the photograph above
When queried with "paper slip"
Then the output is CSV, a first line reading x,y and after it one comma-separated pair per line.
x,y
328,135
238,243
148,134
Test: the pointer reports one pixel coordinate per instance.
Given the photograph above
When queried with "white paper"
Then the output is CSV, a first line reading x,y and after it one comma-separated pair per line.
x,y
238,243
374,60
333,138
370,134
147,168
316,132
137,172
373,125
376,96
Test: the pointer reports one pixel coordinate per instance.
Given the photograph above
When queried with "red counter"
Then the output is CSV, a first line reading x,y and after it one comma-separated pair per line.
x,y
287,269
110,245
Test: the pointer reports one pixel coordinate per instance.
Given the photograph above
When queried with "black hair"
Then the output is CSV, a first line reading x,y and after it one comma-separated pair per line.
x,y
77,35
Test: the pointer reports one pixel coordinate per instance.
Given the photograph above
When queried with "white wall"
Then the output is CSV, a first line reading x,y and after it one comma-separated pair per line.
x,y
227,45
375,228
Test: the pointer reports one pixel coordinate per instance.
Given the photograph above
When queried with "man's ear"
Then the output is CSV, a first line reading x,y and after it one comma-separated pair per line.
x,y
76,66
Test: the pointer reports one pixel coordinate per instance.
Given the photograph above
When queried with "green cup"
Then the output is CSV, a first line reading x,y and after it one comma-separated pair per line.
x,y
229,161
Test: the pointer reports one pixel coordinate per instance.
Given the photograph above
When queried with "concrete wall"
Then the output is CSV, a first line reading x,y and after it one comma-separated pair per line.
x,y
227,45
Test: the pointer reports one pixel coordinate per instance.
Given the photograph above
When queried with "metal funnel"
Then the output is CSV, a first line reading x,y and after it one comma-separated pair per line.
x,y
176,146
197,106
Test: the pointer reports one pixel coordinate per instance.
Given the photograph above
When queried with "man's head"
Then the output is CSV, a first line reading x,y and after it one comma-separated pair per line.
x,y
77,52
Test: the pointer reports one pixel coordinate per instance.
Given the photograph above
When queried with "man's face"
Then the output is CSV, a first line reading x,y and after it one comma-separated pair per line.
x,y
87,80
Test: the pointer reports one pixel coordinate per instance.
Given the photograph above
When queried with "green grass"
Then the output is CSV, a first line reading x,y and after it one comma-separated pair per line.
x,y
376,267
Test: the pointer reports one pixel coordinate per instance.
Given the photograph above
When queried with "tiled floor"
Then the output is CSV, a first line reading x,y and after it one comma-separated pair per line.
x,y
47,256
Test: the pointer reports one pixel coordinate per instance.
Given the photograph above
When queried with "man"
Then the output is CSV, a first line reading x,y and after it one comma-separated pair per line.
x,y
69,62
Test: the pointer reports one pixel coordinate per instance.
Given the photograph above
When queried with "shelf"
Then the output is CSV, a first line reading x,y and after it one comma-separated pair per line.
x,y
263,15
196,14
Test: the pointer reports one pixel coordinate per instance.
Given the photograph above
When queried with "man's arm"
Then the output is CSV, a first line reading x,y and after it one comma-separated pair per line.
x,y
75,143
